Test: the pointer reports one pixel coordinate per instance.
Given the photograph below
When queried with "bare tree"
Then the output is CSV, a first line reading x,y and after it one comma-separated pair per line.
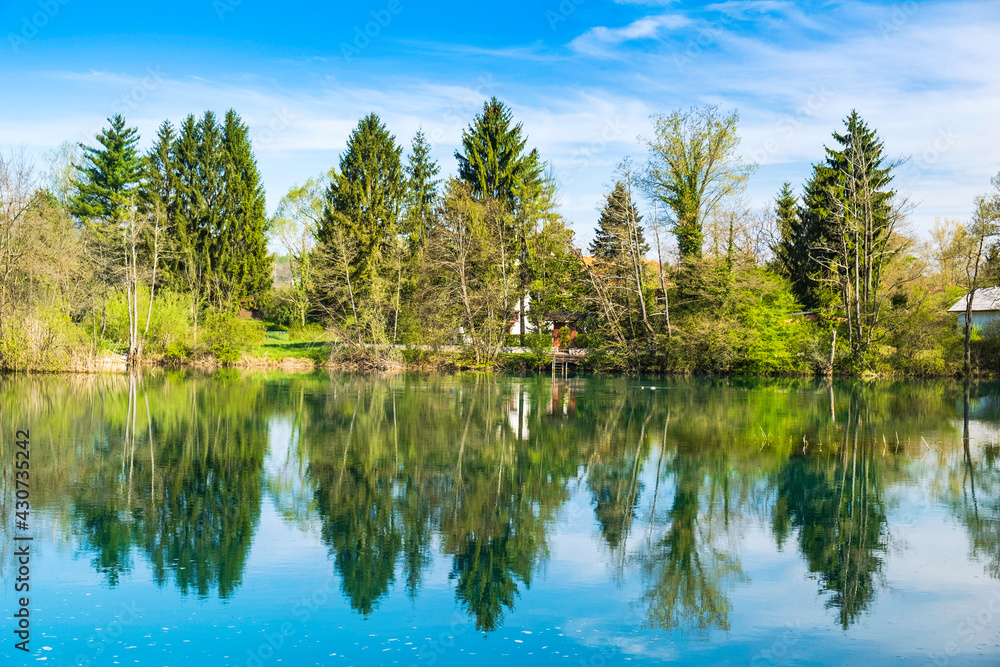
x,y
17,193
468,257
982,226
299,215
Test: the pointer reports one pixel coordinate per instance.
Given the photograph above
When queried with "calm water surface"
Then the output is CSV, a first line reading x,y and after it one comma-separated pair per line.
x,y
238,519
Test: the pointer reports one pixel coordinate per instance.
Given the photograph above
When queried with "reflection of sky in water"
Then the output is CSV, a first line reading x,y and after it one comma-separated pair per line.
x,y
586,604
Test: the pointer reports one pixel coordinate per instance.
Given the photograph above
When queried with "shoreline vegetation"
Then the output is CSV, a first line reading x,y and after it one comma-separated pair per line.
x,y
116,257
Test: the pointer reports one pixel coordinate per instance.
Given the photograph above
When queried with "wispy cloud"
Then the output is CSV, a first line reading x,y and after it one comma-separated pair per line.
x,y
596,41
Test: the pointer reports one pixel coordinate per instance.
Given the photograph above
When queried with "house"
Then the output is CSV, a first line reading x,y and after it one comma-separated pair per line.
x,y
569,321
985,308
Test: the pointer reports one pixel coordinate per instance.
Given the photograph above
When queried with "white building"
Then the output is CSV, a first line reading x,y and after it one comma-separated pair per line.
x,y
985,308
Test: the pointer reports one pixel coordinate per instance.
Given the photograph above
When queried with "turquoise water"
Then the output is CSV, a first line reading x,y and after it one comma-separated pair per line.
x,y
258,519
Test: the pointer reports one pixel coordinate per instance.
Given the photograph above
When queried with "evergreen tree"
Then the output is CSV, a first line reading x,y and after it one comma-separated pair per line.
x,y
111,174
209,243
182,264
366,197
845,223
793,250
620,247
611,240
243,261
422,190
160,191
492,157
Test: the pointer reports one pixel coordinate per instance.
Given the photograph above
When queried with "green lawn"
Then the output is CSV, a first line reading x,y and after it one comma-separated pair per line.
x,y
275,350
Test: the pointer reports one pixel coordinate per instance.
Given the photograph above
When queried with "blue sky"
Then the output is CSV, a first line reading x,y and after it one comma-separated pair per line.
x,y
582,75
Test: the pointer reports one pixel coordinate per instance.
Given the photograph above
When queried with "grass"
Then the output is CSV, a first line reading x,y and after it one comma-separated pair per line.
x,y
275,350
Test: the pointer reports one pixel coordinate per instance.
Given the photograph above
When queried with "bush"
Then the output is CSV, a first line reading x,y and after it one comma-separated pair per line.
x,y
278,306
169,324
228,336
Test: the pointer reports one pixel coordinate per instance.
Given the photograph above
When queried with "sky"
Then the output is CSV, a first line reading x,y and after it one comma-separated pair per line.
x,y
583,76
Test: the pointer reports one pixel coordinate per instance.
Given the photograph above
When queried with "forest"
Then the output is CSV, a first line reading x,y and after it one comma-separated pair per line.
x,y
169,256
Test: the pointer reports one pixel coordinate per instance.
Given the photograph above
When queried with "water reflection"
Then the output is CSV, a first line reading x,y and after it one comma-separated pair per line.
x,y
397,473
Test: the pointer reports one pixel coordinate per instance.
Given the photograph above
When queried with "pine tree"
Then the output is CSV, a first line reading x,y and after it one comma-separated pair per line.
x,y
110,176
366,197
422,190
492,157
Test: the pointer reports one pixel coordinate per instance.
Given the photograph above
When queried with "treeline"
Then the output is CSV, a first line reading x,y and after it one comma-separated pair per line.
x,y
153,255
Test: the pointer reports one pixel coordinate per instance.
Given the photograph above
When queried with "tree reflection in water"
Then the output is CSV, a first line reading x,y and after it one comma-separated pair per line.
x,y
474,471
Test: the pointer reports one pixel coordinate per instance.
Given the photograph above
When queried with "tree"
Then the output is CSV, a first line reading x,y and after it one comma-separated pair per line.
x,y
620,248
17,194
299,215
692,166
242,256
365,199
492,159
105,199
422,190
863,216
985,224
472,276
110,176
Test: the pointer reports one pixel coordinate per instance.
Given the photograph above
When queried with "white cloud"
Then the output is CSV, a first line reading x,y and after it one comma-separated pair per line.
x,y
597,40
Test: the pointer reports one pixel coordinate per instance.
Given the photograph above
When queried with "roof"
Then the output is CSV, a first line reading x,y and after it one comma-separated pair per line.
x,y
986,299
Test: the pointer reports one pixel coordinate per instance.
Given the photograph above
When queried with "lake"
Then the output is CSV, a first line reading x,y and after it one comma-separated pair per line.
x,y
234,518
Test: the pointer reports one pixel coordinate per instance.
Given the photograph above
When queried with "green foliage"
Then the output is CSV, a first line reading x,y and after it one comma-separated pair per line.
x,y
228,337
693,165
110,177
422,191
745,326
492,159
279,307
365,198
169,326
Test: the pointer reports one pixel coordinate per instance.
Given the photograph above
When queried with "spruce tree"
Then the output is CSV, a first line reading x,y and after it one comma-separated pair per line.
x,y
160,190
793,250
110,176
182,263
422,190
243,260
492,159
611,240
208,239
366,197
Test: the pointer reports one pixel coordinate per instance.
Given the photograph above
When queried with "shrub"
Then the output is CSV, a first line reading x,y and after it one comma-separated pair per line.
x,y
228,336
